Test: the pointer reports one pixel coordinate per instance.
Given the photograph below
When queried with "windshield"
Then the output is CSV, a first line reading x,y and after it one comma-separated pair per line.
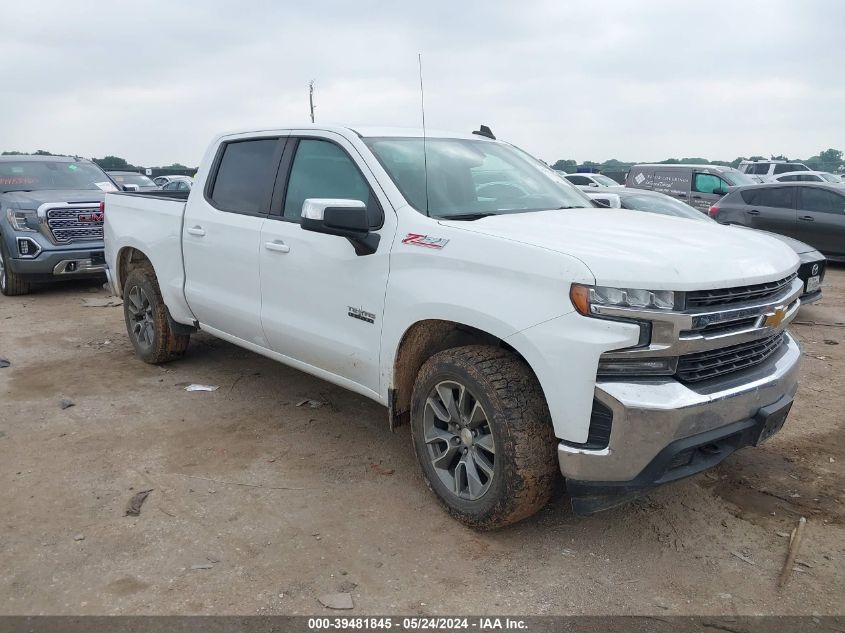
x,y
133,179
663,206
604,180
468,177
737,178
40,175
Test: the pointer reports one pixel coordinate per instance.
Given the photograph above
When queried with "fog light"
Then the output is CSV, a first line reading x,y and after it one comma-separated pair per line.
x,y
27,248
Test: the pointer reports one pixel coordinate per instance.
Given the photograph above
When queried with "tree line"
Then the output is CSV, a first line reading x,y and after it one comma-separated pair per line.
x,y
828,160
106,162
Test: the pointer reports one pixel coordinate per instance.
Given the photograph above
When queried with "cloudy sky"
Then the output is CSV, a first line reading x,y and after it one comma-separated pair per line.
x,y
153,81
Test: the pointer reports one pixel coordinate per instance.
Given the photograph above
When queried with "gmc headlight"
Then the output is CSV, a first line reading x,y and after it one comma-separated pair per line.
x,y
584,298
18,218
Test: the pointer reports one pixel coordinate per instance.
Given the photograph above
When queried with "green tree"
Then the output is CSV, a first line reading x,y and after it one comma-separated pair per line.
x,y
565,165
113,162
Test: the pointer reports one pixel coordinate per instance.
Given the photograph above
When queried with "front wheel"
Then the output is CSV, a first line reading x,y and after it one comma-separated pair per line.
x,y
146,319
11,284
483,435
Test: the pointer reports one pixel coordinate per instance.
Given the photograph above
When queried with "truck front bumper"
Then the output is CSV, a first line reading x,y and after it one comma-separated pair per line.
x,y
664,430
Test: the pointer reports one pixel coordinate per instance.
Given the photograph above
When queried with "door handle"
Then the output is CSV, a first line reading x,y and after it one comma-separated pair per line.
x,y
682,195
195,230
807,218
696,197
278,246
754,212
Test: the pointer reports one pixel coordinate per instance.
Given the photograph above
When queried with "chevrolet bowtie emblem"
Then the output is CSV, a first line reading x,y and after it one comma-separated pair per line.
x,y
774,320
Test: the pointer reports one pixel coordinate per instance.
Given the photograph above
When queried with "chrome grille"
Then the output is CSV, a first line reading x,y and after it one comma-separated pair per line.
x,y
65,226
739,294
712,363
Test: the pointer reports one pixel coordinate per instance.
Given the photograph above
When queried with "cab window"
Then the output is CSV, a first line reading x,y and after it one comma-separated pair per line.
x,y
709,183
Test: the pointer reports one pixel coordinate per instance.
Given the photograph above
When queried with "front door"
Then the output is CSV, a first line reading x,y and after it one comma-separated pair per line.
x,y
707,189
322,304
221,234
771,209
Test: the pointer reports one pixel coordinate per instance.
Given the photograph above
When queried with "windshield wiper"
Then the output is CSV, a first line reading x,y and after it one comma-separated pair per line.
x,y
466,216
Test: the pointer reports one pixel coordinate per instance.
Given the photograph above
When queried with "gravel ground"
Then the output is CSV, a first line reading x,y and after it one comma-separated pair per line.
x,y
261,506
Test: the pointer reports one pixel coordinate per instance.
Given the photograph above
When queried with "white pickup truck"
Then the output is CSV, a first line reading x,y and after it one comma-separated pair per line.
x,y
521,331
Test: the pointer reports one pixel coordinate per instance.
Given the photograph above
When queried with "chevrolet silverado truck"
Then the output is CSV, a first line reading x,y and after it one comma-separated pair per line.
x,y
51,220
521,332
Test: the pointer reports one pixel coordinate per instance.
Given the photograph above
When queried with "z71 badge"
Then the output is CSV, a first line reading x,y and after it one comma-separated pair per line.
x,y
425,240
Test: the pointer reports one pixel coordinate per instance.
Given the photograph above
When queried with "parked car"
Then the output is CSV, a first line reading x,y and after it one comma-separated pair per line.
x,y
178,183
808,211
520,331
813,263
766,170
699,185
51,220
132,181
807,176
163,180
591,181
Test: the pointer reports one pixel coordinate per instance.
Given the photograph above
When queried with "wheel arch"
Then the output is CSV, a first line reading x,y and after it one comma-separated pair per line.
x,y
418,343
129,257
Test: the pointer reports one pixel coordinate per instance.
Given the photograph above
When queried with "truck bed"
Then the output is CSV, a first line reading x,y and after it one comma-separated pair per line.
x,y
152,223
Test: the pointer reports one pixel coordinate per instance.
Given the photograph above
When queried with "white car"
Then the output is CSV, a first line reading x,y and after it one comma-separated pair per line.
x,y
178,183
807,176
766,170
163,180
590,181
520,331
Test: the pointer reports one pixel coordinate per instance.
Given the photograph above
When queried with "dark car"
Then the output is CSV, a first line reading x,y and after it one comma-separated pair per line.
x,y
810,212
51,220
812,268
132,181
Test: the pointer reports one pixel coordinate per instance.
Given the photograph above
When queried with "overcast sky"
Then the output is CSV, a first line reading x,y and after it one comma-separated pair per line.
x,y
153,81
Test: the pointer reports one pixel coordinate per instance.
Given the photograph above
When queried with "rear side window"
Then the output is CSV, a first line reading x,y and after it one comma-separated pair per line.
x,y
321,169
780,197
821,200
750,196
245,176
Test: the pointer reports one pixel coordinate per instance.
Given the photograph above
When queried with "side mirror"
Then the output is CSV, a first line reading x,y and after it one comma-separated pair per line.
x,y
344,218
602,202
130,187
594,184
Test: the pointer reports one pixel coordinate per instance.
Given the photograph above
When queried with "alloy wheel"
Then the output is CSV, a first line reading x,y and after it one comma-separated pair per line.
x,y
459,440
141,316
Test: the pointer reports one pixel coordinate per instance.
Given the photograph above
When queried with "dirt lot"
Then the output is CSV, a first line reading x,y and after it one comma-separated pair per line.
x,y
260,505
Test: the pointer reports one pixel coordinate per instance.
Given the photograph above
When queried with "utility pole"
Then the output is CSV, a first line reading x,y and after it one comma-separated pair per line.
x,y
311,98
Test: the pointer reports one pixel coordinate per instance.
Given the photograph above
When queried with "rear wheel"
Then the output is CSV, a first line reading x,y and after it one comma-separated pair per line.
x,y
11,283
483,435
146,319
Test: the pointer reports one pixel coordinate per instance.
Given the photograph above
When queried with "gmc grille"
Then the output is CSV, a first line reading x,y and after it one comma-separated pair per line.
x,y
65,226
717,362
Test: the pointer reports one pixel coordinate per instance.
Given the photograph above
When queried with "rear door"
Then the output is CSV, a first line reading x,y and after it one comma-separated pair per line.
x,y
322,304
771,209
221,236
821,219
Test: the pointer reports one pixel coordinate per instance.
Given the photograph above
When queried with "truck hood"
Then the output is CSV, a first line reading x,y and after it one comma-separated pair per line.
x,y
641,250
34,199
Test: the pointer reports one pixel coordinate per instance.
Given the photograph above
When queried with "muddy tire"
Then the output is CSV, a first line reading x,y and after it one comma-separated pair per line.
x,y
11,284
146,319
483,436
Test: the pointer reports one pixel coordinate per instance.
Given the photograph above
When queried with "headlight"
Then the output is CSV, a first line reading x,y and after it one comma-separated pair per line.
x,y
585,297
18,219
639,367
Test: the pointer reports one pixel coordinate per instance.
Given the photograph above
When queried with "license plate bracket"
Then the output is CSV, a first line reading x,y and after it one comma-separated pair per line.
x,y
771,419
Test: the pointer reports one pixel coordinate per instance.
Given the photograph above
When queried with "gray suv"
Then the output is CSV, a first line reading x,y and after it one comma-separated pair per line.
x,y
811,212
51,220
697,185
